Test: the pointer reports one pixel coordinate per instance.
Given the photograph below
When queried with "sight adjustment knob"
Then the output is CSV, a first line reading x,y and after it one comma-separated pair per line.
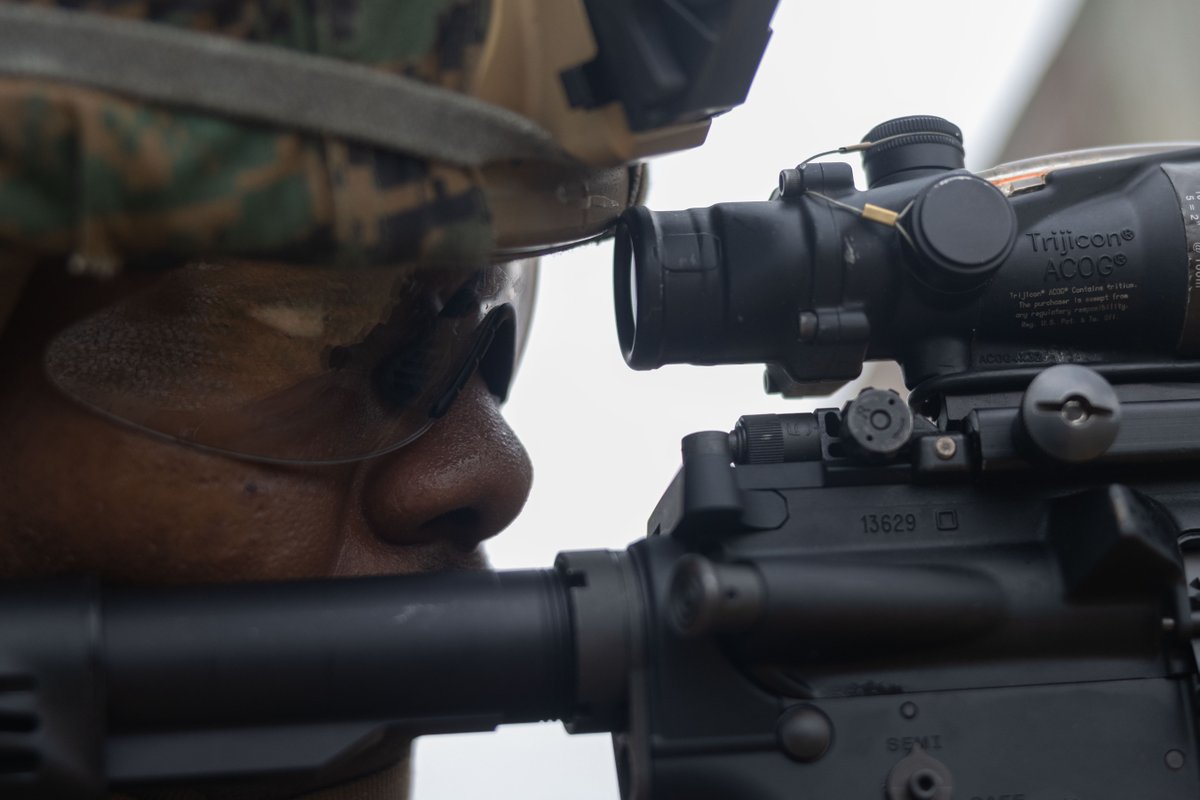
x,y
1070,414
876,425
910,147
962,230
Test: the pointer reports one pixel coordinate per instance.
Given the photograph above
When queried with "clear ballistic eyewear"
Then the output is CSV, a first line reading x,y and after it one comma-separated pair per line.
x,y
294,365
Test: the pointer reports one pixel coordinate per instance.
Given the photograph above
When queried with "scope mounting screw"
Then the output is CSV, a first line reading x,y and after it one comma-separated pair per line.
x,y
1070,414
945,447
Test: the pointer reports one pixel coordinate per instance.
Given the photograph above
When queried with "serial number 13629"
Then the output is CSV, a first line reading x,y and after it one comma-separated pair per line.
x,y
888,523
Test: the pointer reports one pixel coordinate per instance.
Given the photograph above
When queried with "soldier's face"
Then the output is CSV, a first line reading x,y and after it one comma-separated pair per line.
x,y
84,494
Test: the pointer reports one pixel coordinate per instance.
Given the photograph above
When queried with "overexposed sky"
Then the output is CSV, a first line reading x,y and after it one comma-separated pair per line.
x,y
604,439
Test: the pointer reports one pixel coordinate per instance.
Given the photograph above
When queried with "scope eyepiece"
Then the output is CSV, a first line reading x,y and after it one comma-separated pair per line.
x,y
667,286
716,285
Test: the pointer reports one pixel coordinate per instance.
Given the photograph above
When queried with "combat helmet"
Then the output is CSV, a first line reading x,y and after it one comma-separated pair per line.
x,y
340,133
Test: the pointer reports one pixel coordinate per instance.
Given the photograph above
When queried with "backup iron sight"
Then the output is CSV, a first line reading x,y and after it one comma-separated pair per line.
x,y
985,589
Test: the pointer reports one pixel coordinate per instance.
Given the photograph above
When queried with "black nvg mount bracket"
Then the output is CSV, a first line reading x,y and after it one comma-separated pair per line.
x,y
990,590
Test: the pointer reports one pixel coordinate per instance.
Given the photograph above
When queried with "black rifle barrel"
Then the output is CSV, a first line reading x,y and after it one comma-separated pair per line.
x,y
490,646
120,687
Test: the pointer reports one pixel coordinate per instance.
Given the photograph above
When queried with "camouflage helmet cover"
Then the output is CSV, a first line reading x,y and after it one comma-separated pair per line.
x,y
105,179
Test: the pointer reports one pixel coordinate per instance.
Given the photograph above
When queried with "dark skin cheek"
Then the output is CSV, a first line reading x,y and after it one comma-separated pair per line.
x,y
84,495
88,496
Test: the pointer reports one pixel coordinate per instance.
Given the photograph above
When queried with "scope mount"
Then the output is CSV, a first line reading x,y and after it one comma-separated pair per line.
x,y
996,423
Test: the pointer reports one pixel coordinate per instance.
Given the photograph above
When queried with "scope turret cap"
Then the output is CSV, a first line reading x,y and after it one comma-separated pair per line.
x,y
922,144
963,228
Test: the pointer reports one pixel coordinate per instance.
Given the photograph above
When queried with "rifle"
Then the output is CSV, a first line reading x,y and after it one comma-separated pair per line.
x,y
985,590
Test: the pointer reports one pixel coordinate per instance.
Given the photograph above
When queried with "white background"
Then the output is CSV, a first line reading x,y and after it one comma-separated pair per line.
x,y
604,439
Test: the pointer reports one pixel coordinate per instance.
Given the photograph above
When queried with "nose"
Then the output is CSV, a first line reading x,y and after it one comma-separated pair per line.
x,y
461,482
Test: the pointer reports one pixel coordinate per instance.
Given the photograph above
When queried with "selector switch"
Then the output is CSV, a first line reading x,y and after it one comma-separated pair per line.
x,y
920,776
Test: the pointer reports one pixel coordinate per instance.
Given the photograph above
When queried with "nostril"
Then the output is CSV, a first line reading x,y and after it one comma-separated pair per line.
x,y
463,525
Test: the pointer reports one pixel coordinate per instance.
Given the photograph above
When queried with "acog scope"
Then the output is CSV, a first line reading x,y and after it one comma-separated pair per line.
x,y
1086,257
